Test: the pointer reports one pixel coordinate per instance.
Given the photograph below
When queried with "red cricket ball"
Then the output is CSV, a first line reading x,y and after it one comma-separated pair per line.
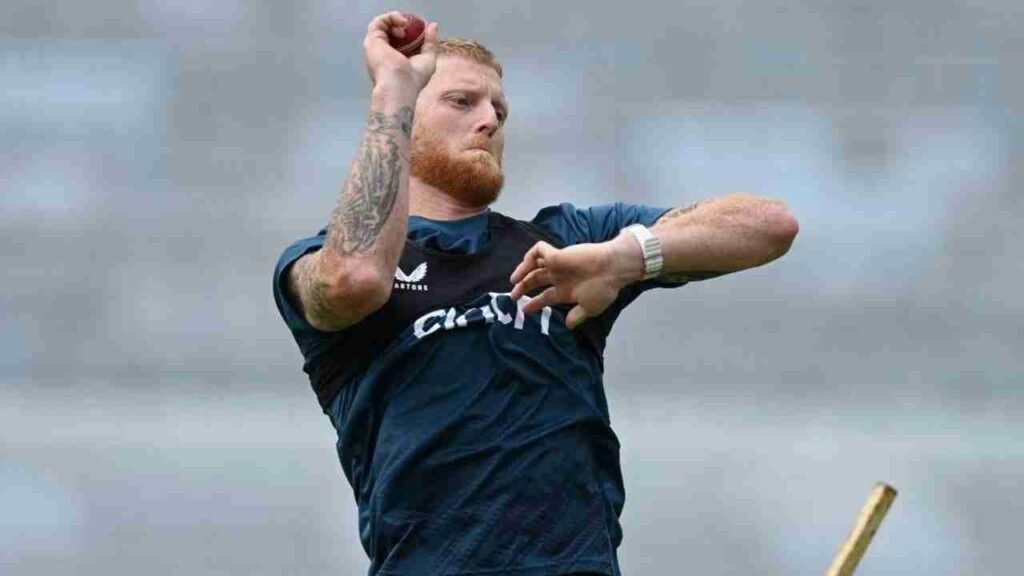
x,y
415,32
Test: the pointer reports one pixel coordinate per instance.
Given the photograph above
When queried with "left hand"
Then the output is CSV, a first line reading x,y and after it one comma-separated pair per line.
x,y
587,275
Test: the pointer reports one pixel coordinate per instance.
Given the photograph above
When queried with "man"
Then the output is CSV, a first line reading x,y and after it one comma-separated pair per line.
x,y
458,352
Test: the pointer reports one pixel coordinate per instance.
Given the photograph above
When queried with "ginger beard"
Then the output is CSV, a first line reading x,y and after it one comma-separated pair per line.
x,y
475,178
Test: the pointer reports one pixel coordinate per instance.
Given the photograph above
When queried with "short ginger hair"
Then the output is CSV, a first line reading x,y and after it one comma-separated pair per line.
x,y
469,49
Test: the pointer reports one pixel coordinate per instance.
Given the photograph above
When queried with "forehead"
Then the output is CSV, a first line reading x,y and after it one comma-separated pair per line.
x,y
455,72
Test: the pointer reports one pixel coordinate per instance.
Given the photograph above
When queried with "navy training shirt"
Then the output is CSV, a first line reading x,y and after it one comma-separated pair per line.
x,y
478,440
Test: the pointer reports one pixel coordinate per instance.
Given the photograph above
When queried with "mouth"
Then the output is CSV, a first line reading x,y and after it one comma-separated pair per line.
x,y
484,150
484,156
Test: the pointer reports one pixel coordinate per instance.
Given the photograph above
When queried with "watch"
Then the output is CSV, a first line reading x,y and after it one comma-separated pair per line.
x,y
651,248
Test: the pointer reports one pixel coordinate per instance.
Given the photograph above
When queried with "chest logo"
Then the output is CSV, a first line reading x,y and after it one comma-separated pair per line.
x,y
500,309
414,281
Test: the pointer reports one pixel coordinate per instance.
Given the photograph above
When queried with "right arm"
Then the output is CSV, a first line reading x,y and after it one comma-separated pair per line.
x,y
351,276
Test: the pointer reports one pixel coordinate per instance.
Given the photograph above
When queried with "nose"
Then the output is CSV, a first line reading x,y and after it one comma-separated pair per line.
x,y
488,123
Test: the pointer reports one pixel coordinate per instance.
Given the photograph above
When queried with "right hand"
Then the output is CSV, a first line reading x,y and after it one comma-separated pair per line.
x,y
386,64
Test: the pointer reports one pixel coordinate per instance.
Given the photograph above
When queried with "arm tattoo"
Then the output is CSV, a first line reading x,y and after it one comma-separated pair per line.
x,y
685,275
677,212
372,185
303,281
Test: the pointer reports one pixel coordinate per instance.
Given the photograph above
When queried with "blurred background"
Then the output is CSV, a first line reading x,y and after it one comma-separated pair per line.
x,y
157,156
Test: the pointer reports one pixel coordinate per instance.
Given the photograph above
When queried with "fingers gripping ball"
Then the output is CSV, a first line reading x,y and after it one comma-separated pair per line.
x,y
415,32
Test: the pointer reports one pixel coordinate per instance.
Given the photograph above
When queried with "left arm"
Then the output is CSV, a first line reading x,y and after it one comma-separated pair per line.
x,y
723,235
703,240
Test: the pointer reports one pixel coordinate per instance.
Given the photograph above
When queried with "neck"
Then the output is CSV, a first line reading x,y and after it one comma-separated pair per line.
x,y
434,203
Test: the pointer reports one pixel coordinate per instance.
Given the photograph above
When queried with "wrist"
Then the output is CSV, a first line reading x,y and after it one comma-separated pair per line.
x,y
650,249
627,259
392,94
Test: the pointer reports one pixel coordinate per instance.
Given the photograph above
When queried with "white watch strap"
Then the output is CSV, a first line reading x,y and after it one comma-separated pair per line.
x,y
650,246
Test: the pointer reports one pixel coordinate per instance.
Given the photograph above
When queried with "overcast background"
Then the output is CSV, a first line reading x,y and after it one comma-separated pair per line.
x,y
157,156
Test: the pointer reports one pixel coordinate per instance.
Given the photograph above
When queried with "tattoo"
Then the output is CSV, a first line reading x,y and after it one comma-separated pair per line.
x,y
685,275
677,212
303,281
308,293
373,184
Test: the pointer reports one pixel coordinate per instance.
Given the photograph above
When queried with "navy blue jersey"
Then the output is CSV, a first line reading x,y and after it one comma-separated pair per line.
x,y
476,439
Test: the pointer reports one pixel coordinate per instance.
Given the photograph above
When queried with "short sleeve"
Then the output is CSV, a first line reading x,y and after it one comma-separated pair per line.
x,y
575,225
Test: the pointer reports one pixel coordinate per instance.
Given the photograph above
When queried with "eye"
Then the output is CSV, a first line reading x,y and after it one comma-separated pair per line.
x,y
460,100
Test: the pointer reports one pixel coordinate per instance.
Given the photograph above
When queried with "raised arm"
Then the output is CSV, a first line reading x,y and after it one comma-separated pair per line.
x,y
351,276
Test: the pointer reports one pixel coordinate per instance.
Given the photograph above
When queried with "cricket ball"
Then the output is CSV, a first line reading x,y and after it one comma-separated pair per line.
x,y
415,32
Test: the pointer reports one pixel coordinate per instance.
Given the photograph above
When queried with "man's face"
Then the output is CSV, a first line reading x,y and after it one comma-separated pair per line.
x,y
458,137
